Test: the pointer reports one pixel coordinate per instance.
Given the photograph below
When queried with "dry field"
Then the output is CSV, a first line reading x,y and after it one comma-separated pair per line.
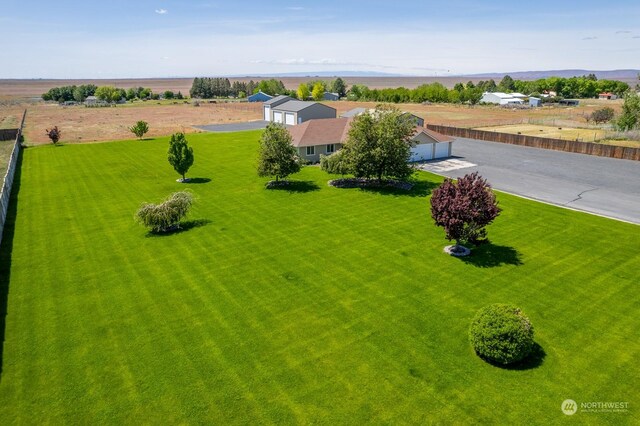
x,y
585,135
80,124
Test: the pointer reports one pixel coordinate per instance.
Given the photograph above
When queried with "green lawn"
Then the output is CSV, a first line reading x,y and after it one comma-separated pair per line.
x,y
322,305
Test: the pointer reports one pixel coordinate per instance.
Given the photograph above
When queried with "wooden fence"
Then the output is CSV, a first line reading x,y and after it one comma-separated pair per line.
x,y
8,134
5,194
589,148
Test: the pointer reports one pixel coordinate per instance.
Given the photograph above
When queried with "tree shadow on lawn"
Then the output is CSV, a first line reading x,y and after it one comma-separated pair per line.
x,y
184,226
197,180
489,255
534,360
5,253
293,186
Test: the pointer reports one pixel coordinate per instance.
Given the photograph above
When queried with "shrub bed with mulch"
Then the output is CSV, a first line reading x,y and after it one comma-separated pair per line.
x,y
370,183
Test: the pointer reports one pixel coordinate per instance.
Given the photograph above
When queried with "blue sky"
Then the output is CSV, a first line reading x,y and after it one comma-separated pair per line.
x,y
143,38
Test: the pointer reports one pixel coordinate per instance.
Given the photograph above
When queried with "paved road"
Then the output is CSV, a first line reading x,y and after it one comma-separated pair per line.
x,y
234,127
605,186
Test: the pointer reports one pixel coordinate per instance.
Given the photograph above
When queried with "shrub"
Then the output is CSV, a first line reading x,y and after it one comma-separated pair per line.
x,y
602,115
501,333
277,157
165,216
139,129
54,134
336,163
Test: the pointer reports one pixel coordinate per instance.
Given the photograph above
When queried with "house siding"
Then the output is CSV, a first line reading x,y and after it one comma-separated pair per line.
x,y
320,149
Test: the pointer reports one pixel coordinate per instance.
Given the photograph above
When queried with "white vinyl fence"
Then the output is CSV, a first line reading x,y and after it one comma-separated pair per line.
x,y
5,195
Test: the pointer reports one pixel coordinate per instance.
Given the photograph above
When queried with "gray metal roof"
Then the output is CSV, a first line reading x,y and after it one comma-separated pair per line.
x,y
353,112
277,100
295,106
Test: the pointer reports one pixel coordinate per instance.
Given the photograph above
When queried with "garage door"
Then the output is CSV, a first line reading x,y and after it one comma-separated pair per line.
x,y
267,113
289,119
277,117
442,149
422,152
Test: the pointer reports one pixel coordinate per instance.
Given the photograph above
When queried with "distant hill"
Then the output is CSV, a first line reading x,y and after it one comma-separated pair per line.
x,y
325,74
623,75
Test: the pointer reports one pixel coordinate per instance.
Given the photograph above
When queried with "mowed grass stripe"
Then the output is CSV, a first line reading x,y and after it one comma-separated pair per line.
x,y
326,306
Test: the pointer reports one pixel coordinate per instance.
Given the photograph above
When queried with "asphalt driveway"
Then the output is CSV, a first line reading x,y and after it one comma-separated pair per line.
x,y
234,127
605,186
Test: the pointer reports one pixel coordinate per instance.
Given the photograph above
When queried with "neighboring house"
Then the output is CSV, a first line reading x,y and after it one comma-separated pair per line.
x,y
500,98
324,137
328,96
357,111
535,102
271,103
518,95
259,97
608,96
295,112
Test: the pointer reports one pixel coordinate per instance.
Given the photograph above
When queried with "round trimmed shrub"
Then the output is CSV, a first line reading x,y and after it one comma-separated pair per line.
x,y
501,333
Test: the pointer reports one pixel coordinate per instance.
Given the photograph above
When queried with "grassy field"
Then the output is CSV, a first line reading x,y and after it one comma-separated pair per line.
x,y
317,305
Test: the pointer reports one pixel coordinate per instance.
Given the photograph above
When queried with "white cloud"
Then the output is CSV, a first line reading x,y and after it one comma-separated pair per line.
x,y
294,8
590,38
162,11
623,32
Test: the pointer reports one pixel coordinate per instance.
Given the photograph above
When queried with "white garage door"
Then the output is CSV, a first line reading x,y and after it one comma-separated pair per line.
x,y
289,119
422,152
277,117
267,113
442,150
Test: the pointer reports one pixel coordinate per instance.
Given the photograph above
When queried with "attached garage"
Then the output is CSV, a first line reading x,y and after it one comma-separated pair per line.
x,y
277,117
430,145
289,118
443,150
271,104
422,152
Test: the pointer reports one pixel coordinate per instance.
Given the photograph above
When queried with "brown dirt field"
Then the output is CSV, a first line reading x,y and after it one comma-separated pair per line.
x,y
80,124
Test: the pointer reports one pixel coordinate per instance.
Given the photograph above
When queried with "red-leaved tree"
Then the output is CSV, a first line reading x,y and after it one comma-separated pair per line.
x,y
54,134
464,208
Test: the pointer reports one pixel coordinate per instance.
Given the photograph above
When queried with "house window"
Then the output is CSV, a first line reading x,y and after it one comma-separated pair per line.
x,y
331,148
311,150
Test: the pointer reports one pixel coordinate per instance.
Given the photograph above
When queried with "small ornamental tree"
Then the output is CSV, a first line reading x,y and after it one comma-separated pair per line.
x,y
180,154
54,134
501,334
464,208
602,115
165,216
139,129
277,156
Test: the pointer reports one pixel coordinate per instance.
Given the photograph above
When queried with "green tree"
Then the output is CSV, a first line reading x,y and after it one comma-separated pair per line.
x,y
338,86
139,129
108,93
379,144
303,91
318,91
277,156
180,154
630,117
166,216
168,94
507,84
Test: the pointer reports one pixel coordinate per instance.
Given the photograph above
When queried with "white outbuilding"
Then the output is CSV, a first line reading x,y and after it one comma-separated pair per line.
x,y
500,98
